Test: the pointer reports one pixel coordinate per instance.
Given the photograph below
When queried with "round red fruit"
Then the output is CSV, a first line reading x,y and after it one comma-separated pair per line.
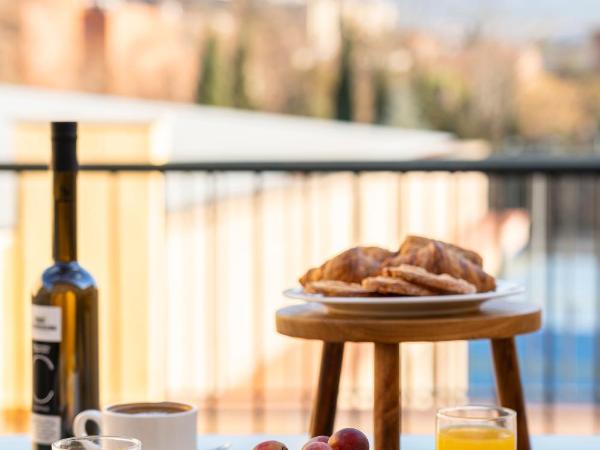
x,y
316,446
319,439
270,445
349,439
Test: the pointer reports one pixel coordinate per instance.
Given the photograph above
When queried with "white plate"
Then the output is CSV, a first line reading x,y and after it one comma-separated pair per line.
x,y
407,306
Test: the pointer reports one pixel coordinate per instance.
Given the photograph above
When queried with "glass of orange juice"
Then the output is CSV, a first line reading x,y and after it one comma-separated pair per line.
x,y
476,428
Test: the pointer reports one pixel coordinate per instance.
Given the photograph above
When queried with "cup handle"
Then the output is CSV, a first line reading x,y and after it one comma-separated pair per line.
x,y
82,418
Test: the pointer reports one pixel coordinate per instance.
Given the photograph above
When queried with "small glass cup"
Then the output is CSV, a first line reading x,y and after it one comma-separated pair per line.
x,y
97,443
476,428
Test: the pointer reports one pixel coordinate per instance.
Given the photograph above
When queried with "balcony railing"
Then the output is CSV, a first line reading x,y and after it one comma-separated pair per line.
x,y
191,259
521,165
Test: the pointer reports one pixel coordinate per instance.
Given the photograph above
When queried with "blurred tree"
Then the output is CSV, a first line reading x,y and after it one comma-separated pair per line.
x,y
591,98
475,104
239,94
381,97
442,100
210,85
553,108
246,13
491,83
343,91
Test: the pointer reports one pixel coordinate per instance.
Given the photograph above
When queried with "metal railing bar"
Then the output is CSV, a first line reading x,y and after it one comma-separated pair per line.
x,y
596,348
549,344
495,165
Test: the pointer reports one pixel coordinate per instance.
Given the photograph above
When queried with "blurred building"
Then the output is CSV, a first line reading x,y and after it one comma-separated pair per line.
x,y
130,48
153,49
9,32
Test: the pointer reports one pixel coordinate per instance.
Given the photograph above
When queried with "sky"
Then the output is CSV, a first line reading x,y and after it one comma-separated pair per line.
x,y
517,19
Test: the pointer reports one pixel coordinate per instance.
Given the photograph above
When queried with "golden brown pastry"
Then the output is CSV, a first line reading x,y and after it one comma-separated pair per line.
x,y
351,266
396,286
437,258
333,288
444,283
415,243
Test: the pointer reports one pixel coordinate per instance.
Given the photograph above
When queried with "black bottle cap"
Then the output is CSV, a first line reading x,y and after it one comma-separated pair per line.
x,y
64,146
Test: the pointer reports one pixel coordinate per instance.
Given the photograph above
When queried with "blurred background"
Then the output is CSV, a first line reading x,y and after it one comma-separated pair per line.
x,y
191,262
520,76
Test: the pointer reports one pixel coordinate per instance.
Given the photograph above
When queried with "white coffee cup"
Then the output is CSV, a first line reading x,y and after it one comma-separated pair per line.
x,y
159,426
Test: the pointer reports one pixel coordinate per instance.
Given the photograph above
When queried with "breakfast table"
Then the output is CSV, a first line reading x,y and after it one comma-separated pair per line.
x,y
246,442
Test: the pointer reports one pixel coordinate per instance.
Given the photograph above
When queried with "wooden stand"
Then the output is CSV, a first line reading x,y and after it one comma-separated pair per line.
x,y
498,320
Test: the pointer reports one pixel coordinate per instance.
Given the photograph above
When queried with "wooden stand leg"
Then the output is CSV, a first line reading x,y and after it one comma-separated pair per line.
x,y
387,397
325,402
508,385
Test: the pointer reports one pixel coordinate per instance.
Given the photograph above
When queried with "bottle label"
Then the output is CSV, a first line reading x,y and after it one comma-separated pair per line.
x,y
47,335
47,323
45,429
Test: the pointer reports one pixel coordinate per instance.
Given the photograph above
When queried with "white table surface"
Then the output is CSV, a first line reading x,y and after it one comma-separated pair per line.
x,y
210,442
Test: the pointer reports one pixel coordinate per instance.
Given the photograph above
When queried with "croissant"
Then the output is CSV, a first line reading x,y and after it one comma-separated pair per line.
x,y
437,258
415,243
351,266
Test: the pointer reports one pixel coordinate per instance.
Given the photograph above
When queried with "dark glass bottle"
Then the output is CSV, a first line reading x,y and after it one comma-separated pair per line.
x,y
64,312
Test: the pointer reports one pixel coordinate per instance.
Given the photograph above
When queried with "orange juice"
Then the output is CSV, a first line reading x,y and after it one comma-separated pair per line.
x,y
475,438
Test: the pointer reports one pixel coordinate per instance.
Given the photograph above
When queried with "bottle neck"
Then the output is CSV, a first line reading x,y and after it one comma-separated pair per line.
x,y
65,216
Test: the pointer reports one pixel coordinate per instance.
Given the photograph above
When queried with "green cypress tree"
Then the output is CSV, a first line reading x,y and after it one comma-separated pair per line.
x,y
381,98
208,84
343,92
239,93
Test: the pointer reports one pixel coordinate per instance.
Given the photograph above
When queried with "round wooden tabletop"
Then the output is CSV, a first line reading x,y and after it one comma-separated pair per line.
x,y
496,319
